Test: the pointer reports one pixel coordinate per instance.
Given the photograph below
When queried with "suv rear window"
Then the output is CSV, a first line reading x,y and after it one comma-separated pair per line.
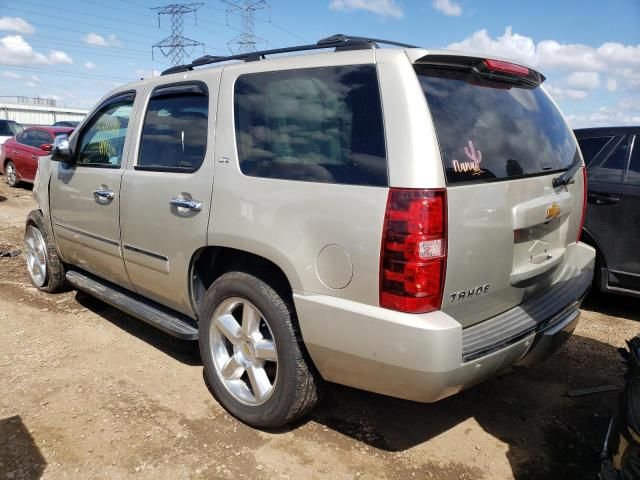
x,y
490,130
314,124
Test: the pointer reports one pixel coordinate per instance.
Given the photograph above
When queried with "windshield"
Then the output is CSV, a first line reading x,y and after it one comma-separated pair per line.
x,y
489,130
10,129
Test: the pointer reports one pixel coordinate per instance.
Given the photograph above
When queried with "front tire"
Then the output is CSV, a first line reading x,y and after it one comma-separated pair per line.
x,y
12,174
45,269
253,357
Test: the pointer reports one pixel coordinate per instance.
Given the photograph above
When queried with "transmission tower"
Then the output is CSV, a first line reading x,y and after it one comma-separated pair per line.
x,y
245,42
176,46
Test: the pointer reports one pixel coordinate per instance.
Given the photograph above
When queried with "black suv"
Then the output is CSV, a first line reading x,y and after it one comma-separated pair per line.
x,y
612,225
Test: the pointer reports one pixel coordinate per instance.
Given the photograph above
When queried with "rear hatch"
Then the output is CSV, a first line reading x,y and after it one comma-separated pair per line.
x,y
502,142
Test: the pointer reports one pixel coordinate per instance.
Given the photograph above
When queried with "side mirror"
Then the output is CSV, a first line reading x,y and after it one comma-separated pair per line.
x,y
61,151
46,147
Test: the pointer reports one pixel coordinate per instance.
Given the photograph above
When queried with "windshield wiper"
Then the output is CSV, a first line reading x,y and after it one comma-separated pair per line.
x,y
567,177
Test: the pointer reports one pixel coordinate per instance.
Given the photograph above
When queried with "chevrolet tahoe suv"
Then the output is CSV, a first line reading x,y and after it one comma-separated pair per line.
x,y
399,220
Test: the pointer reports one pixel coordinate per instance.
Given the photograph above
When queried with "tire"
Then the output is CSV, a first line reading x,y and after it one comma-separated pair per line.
x,y
39,247
11,174
295,385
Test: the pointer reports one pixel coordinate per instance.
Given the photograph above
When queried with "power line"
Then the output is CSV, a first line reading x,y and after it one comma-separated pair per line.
x,y
73,21
65,73
273,24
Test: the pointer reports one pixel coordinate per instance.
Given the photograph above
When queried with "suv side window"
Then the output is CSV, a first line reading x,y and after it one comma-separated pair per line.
x,y
612,167
174,135
591,146
633,174
101,143
314,124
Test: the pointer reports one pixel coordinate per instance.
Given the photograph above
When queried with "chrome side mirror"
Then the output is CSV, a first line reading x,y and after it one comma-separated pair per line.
x,y
61,151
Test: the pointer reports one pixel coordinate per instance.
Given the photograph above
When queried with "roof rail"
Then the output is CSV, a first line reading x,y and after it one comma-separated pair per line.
x,y
339,42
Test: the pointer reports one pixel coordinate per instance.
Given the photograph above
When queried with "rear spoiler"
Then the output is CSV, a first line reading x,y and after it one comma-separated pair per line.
x,y
486,67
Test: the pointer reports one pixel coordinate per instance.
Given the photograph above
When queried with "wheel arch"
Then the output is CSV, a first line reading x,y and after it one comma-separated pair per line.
x,y
210,262
587,238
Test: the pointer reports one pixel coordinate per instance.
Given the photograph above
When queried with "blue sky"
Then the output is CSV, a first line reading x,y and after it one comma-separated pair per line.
x,y
76,51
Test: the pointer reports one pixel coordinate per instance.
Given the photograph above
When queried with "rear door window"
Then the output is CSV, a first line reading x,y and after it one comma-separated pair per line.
x,y
633,174
591,146
174,135
316,124
612,167
490,130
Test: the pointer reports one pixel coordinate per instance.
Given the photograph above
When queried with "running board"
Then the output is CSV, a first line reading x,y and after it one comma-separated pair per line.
x,y
171,322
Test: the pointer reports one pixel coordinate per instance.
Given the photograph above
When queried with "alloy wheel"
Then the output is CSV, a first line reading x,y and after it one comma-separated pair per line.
x,y
36,255
244,351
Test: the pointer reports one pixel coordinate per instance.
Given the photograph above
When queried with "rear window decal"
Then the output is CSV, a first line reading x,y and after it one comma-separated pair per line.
x,y
474,165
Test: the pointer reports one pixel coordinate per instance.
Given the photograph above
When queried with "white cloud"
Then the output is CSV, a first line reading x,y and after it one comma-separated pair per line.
x,y
615,59
14,50
16,24
12,75
102,41
612,84
447,7
560,93
89,65
384,8
584,80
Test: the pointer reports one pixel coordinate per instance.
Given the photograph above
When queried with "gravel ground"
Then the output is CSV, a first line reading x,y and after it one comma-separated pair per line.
x,y
89,392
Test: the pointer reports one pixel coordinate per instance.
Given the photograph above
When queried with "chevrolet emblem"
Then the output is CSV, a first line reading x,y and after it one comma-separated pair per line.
x,y
553,211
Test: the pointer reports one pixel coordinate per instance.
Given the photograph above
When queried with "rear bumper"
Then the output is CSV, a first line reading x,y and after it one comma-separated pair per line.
x,y
422,357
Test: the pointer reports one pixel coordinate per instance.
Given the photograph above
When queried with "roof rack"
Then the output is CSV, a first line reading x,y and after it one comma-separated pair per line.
x,y
339,42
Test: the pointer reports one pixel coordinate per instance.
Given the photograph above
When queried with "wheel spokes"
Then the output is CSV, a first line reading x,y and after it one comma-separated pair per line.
x,y
266,350
229,327
260,382
233,370
250,319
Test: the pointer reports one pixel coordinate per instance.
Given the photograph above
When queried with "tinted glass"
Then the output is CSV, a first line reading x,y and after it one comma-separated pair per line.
x,y
174,135
633,175
9,129
25,138
490,130
39,138
612,167
590,147
102,142
317,125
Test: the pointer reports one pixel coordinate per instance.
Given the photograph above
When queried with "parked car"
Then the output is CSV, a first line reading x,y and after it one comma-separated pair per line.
x,y
19,156
403,221
621,451
8,129
66,123
612,224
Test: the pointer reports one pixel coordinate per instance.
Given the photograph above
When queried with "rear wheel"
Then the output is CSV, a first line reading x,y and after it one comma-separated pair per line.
x,y
12,174
253,357
45,268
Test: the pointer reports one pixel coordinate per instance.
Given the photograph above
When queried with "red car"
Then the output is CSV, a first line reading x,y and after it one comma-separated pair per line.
x,y
19,155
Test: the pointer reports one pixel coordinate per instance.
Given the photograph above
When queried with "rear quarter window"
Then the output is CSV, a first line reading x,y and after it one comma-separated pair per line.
x,y
317,125
489,130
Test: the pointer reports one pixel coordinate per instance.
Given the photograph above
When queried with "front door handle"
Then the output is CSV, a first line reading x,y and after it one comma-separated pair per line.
x,y
104,194
186,203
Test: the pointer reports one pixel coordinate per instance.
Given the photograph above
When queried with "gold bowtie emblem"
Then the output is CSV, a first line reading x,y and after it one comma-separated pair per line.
x,y
553,211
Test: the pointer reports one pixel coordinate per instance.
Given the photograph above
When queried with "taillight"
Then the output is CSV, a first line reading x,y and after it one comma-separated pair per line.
x,y
506,67
414,250
584,202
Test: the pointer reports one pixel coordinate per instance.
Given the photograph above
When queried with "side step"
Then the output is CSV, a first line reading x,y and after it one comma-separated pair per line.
x,y
173,323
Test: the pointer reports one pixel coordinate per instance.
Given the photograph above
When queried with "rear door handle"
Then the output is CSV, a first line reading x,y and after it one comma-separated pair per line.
x,y
185,203
35,157
602,199
104,194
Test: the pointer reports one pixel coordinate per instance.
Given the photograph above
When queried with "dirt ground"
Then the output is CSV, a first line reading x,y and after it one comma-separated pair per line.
x,y
89,392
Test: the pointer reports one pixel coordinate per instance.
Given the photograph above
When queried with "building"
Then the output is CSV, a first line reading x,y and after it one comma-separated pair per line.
x,y
37,111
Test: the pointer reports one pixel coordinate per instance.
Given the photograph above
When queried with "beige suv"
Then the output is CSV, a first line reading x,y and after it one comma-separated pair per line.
x,y
399,220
